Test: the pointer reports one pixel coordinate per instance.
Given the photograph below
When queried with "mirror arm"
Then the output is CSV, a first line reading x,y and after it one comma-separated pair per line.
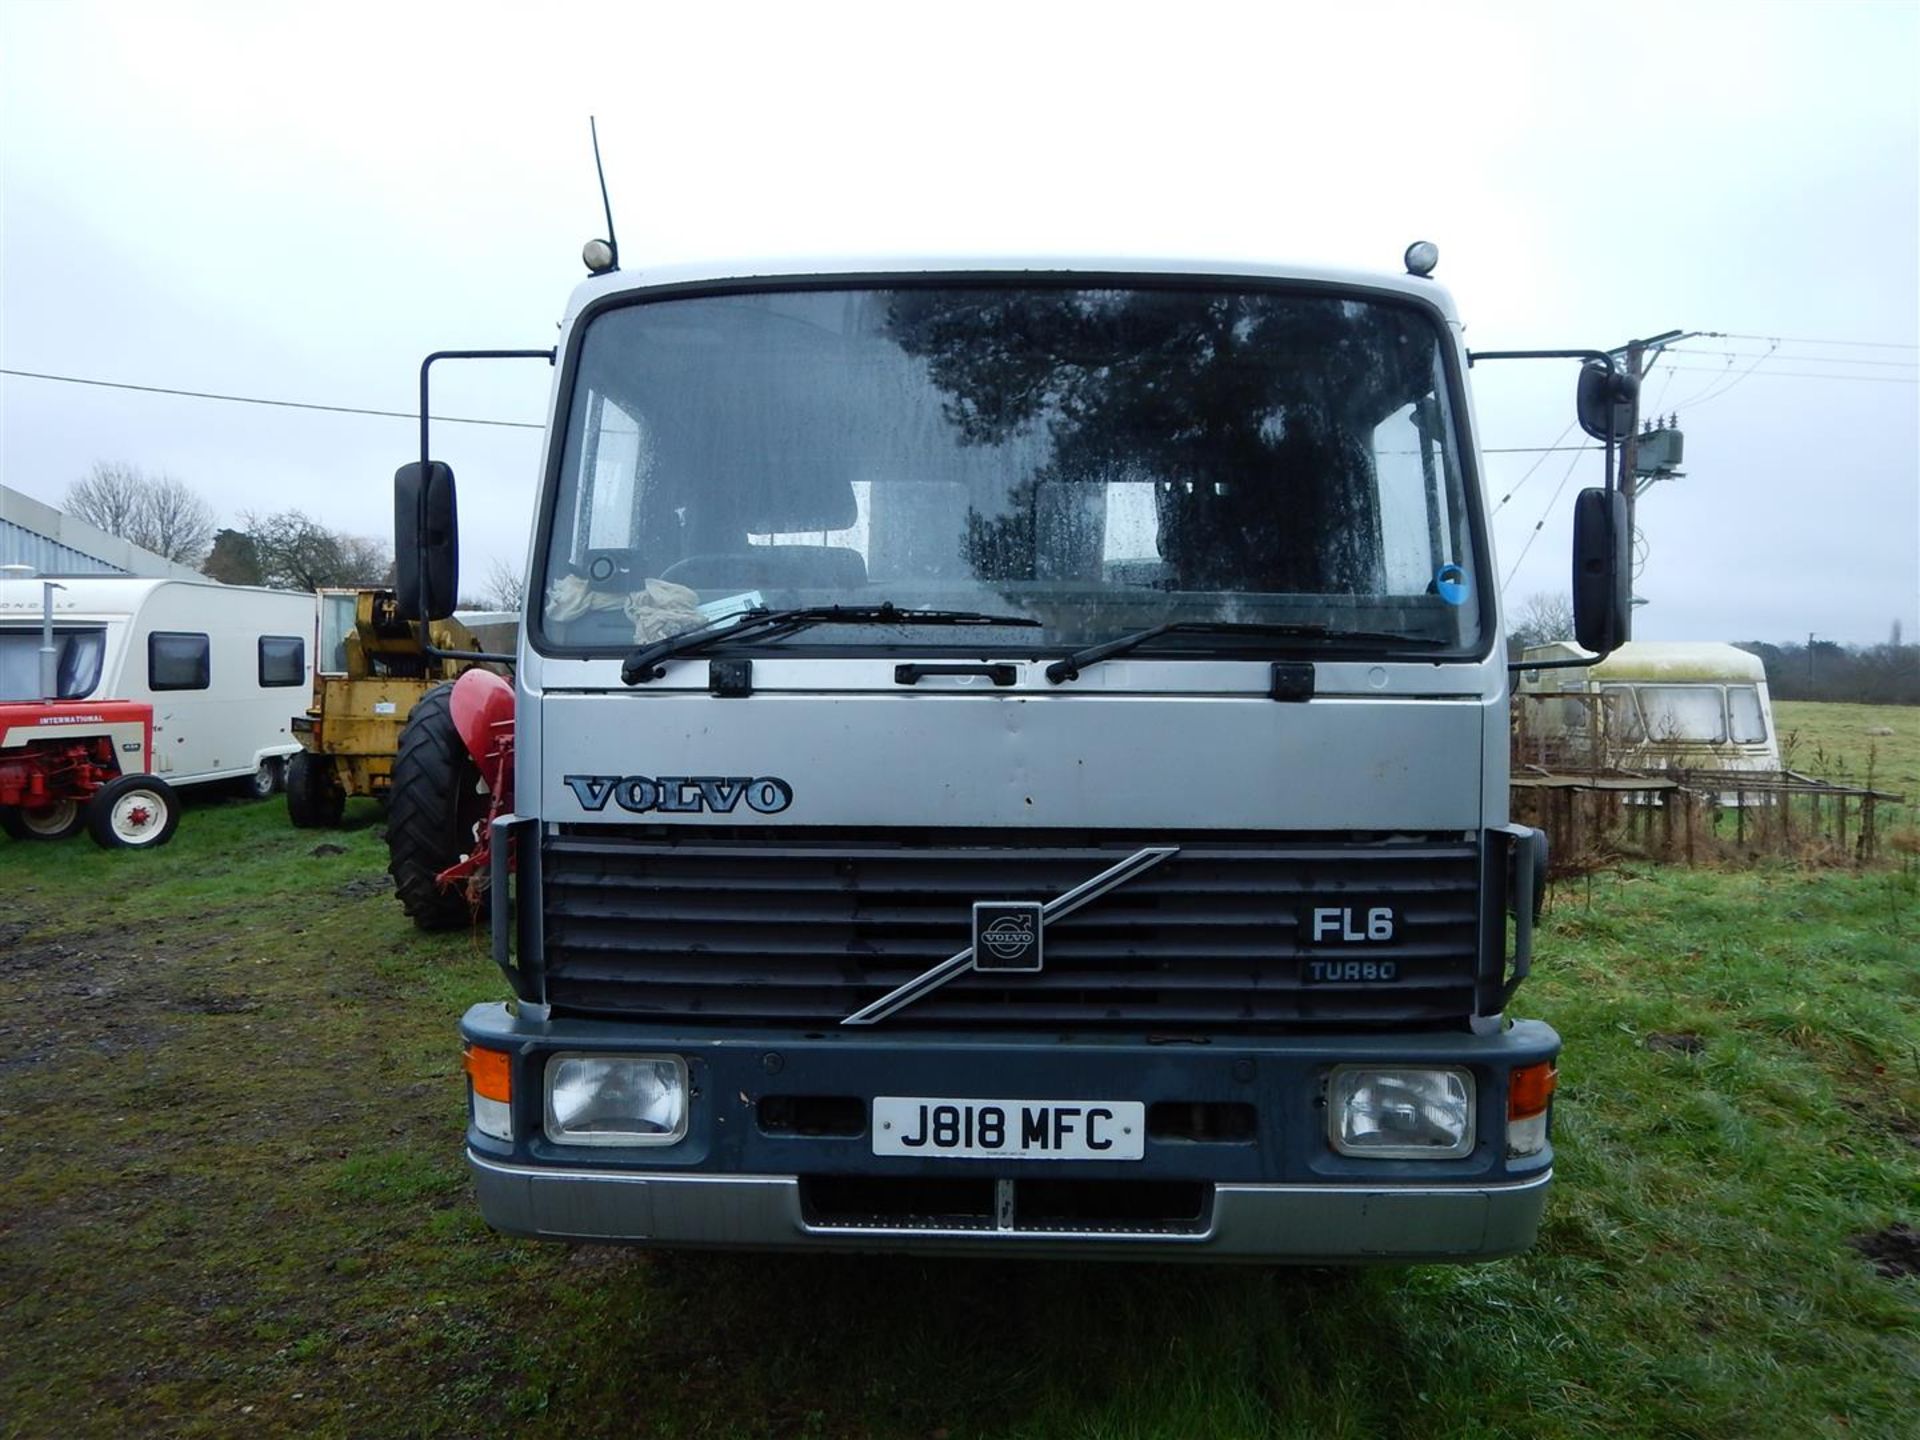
x,y
1474,357
426,469
1581,664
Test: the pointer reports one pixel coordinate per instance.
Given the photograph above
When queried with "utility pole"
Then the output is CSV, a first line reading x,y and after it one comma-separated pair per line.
x,y
1634,366
1630,447
1809,664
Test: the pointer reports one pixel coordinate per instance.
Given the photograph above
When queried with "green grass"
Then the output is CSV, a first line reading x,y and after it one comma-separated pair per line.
x,y
230,1118
1832,742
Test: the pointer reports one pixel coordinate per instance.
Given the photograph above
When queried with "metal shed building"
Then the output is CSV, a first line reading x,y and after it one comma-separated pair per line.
x,y
55,543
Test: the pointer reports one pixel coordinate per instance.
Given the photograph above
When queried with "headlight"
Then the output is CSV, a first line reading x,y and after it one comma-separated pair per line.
x,y
1399,1112
616,1099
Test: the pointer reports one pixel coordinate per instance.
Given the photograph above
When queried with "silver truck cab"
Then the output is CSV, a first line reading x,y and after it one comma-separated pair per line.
x,y
1010,758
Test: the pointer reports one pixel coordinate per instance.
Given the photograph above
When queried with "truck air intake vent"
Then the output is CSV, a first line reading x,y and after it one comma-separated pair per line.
x,y
805,929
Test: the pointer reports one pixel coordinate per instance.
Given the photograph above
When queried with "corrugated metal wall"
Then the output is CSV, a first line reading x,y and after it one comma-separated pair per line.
x,y
21,546
34,533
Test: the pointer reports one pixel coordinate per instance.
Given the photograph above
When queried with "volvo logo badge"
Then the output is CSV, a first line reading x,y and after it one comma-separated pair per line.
x,y
1006,935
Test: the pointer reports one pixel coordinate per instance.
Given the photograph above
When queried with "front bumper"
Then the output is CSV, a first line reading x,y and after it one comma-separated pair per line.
x,y
1274,1190
1304,1223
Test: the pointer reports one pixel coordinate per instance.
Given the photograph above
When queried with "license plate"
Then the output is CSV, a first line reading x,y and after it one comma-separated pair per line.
x,y
1010,1129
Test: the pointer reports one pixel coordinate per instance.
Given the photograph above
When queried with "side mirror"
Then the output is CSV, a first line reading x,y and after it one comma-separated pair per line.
x,y
426,542
1602,571
1606,401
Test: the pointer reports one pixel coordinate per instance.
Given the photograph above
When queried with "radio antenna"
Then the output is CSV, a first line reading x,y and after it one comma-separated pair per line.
x,y
613,245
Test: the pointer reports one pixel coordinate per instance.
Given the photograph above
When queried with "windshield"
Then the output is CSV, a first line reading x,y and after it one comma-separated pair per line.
x,y
1097,460
1683,712
77,666
337,613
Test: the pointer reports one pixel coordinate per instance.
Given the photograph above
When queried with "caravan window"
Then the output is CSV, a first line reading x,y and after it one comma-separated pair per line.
x,y
1623,715
1684,712
283,660
178,661
1749,724
76,668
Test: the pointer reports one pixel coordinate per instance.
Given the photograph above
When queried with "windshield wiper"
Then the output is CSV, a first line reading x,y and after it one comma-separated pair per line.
x,y
764,624
1069,667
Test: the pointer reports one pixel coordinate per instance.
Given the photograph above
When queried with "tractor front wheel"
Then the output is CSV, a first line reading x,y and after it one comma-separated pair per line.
x,y
135,812
315,798
434,808
53,821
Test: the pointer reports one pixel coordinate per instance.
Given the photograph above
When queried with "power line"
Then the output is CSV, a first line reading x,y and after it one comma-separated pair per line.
x,y
1665,384
1545,450
1790,340
278,404
1800,375
1715,389
1804,359
1540,524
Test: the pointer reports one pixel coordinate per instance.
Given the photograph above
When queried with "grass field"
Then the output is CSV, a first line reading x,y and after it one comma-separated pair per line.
x,y
230,1120
1835,742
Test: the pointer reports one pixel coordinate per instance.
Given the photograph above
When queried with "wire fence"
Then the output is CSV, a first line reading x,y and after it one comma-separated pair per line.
x,y
1603,800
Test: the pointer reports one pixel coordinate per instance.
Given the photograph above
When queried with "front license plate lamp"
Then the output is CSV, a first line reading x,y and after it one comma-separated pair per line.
x,y
616,1099
1400,1112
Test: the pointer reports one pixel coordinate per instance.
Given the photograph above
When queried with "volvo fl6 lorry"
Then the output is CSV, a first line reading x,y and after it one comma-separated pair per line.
x,y
1007,759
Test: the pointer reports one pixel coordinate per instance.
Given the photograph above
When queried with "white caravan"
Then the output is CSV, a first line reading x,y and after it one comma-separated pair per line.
x,y
1652,705
225,667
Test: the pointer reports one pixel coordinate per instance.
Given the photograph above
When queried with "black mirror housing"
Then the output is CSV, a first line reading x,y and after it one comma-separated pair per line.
x,y
1606,399
1602,571
426,541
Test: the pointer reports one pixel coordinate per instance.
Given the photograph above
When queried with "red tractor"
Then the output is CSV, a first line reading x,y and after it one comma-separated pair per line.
x,y
68,763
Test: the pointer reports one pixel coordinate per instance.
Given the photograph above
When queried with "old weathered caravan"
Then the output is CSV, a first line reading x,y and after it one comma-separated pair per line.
x,y
1650,705
225,667
1009,758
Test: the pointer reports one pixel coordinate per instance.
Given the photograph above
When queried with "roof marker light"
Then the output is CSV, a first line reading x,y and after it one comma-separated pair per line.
x,y
1421,257
597,255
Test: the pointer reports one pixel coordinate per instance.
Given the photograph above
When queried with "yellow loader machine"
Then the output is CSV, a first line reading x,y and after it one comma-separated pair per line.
x,y
371,669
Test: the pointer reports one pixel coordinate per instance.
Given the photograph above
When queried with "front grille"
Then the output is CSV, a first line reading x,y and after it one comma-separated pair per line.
x,y
754,926
1081,1207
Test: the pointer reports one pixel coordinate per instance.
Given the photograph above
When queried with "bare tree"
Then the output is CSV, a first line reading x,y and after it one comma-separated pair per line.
x,y
162,515
506,587
365,561
297,552
1544,618
109,497
175,522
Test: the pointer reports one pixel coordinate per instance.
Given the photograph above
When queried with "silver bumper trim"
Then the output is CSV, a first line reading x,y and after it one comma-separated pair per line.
x,y
1316,1224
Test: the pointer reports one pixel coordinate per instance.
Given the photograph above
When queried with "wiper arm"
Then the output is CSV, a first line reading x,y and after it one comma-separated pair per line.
x,y
1069,667
764,624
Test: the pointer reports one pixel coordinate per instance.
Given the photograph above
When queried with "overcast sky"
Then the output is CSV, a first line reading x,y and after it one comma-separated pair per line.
x,y
300,202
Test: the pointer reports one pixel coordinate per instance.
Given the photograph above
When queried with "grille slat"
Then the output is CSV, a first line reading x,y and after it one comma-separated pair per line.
x,y
711,946
756,927
1188,912
1053,979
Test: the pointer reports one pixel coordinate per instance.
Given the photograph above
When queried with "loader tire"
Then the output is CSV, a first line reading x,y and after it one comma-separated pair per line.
x,y
433,807
315,798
